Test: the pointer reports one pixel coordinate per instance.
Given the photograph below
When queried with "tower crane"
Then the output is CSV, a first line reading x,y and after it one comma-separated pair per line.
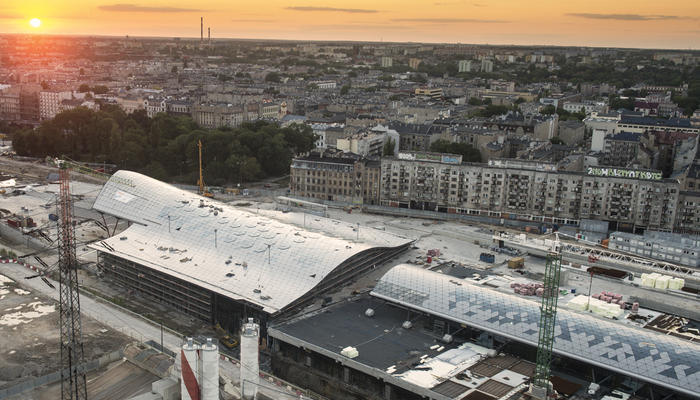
x,y
73,379
202,189
541,387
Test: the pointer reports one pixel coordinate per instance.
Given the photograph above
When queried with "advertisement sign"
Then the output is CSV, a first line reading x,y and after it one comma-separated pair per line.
x,y
624,173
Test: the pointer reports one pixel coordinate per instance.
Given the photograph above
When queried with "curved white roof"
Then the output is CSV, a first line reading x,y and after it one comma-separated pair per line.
x,y
273,263
648,355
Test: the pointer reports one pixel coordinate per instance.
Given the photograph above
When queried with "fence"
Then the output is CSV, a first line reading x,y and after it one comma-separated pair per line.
x,y
56,376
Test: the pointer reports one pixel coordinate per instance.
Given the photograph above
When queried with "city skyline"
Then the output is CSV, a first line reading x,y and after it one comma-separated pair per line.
x,y
672,25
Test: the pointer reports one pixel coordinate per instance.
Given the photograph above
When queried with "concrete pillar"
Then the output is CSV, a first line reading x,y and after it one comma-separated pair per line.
x,y
387,391
346,374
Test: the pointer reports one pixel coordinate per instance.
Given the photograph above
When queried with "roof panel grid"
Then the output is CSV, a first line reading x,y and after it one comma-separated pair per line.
x,y
648,355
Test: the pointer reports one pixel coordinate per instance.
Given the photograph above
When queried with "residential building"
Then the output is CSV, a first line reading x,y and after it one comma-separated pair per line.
x,y
154,105
363,143
50,103
340,177
572,132
413,63
130,103
688,212
178,107
218,115
671,152
641,124
629,199
621,149
433,93
604,122
486,65
587,107
9,104
464,66
386,62
324,84
547,128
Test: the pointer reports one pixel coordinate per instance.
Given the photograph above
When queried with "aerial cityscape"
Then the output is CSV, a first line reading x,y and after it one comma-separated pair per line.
x,y
444,200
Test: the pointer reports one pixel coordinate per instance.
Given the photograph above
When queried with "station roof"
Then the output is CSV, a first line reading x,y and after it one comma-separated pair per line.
x,y
647,355
239,254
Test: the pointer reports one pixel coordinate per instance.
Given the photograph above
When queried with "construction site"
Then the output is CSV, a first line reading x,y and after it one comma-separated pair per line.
x,y
302,300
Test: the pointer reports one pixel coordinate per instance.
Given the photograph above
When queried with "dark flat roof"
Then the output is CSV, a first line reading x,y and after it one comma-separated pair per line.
x,y
380,340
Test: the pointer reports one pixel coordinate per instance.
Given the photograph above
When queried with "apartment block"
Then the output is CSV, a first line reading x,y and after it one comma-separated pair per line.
x,y
336,177
629,199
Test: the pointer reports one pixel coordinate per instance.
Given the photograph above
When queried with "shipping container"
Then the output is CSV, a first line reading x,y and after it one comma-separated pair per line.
x,y
487,257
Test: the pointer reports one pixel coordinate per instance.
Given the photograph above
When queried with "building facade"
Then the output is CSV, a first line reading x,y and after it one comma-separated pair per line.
x,y
9,104
628,199
621,149
335,178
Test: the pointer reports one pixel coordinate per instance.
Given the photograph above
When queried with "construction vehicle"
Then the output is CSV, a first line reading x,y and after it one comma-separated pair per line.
x,y
202,189
224,338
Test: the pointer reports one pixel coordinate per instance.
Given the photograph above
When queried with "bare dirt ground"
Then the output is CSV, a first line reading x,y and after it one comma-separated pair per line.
x,y
30,337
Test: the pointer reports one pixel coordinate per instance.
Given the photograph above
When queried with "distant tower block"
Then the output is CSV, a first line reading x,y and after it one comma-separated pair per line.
x,y
209,380
249,359
189,387
201,29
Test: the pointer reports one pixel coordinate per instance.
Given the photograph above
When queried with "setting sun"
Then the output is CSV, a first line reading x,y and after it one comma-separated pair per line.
x,y
35,22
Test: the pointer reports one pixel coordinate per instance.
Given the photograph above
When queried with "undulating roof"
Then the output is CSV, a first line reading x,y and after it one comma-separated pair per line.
x,y
182,234
660,359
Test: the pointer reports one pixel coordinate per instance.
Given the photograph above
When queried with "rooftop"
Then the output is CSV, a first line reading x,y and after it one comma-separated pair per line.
x,y
647,355
225,249
412,358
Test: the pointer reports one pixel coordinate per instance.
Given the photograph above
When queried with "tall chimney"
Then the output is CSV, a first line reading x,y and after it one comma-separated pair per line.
x,y
209,35
201,29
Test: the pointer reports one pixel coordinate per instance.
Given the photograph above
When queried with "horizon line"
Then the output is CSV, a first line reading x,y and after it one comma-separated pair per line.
x,y
197,38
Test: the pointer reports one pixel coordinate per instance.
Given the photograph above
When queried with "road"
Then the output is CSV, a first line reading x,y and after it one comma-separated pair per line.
x,y
136,327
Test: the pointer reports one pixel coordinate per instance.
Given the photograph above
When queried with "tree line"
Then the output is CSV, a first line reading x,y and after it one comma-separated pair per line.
x,y
165,146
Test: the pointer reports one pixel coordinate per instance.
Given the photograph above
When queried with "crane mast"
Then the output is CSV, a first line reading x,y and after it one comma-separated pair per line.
x,y
541,387
73,379
200,182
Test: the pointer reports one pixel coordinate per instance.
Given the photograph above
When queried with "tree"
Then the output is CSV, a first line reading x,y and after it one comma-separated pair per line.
x,y
418,78
84,88
273,77
473,101
469,153
344,90
549,109
100,89
173,70
389,147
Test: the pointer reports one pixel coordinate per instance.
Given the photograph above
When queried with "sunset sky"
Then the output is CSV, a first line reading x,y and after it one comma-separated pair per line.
x,y
627,23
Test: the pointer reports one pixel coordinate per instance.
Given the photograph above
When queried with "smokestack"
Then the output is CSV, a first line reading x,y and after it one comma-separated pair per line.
x,y
201,29
209,35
